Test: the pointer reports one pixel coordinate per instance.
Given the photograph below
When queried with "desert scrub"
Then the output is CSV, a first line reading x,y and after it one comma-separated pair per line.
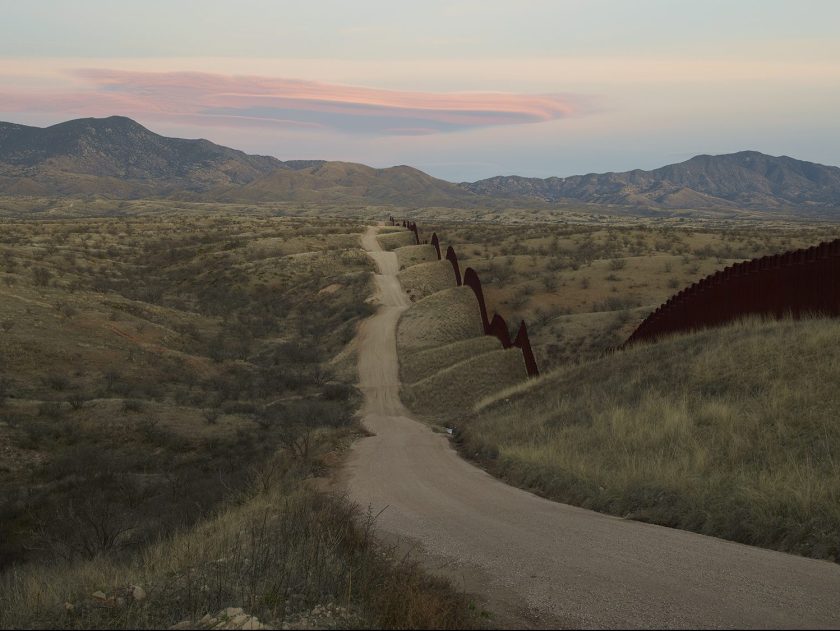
x,y
277,553
730,432
163,435
143,409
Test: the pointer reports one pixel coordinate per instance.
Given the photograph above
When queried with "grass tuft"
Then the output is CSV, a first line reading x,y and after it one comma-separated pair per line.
x,y
729,432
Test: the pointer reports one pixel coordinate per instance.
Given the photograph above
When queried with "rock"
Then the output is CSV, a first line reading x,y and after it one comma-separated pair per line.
x,y
253,623
138,593
184,624
207,621
230,612
99,596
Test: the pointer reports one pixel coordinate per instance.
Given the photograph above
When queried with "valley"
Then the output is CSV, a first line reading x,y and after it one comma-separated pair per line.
x,y
199,345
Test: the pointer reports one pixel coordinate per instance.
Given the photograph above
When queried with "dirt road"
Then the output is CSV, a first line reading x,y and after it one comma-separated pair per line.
x,y
540,563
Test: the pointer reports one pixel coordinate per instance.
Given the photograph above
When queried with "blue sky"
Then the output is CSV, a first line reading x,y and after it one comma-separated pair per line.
x,y
462,90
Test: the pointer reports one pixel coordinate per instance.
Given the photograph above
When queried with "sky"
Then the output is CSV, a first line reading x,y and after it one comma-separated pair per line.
x,y
461,89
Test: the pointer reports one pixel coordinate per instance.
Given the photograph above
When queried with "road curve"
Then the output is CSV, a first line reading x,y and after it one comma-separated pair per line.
x,y
541,563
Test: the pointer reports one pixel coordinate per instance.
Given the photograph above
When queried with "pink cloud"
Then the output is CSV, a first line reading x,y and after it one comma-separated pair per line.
x,y
205,98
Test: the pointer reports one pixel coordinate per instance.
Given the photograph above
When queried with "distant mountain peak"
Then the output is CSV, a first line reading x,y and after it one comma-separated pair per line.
x,y
119,157
745,179
73,152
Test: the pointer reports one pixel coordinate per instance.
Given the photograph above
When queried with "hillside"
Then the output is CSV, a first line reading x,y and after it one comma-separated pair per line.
x,y
680,433
348,181
747,179
169,388
117,156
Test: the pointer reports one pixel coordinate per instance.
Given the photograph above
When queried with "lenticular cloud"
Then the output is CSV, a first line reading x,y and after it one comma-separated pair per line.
x,y
204,98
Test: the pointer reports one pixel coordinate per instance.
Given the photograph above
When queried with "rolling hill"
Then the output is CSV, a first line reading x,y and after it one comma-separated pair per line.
x,y
117,157
348,181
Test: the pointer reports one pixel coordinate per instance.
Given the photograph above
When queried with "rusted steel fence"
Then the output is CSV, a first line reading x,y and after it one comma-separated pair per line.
x,y
453,258
522,342
472,281
436,244
797,283
410,225
496,326
499,328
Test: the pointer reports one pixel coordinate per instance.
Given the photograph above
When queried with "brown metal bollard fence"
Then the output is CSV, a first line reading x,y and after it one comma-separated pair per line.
x,y
453,258
795,284
436,244
496,327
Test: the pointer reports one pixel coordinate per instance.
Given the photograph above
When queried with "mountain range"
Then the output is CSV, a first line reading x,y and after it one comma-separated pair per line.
x,y
747,179
118,157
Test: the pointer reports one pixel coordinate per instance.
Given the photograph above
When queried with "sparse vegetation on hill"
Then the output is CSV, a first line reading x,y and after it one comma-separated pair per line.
x,y
168,384
396,240
445,317
583,287
747,179
424,279
450,391
730,432
414,254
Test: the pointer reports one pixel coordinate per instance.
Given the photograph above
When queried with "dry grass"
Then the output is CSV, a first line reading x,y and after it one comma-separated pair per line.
x,y
442,318
278,554
140,358
425,279
421,364
449,394
729,432
168,382
395,240
608,273
413,254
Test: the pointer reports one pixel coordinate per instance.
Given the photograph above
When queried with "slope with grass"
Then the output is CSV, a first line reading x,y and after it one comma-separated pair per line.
x,y
448,392
395,240
424,279
169,385
729,432
419,365
445,317
543,564
414,254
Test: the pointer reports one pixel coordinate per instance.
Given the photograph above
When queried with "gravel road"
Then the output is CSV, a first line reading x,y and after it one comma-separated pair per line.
x,y
537,563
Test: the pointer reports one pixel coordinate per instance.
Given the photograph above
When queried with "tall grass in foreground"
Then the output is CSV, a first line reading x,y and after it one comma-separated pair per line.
x,y
278,553
732,432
